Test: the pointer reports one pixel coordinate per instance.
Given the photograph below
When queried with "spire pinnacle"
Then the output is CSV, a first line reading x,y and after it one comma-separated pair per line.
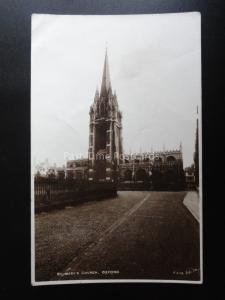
x,y
106,83
96,91
181,147
96,95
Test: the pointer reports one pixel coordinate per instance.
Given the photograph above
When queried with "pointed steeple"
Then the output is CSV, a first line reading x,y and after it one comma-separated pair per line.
x,y
96,95
106,83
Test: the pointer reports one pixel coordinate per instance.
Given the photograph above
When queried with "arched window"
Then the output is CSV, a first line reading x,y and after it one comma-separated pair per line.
x,y
158,159
128,175
171,158
157,179
141,175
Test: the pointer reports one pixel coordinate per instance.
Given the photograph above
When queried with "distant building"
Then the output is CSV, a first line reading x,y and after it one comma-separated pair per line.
x,y
44,170
60,173
41,169
51,173
77,169
162,169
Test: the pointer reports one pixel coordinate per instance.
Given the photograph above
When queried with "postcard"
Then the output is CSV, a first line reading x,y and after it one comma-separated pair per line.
x,y
116,176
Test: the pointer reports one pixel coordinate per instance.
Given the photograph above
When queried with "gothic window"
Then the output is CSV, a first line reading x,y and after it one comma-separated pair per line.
x,y
108,149
91,140
158,159
171,160
141,175
108,137
128,175
102,109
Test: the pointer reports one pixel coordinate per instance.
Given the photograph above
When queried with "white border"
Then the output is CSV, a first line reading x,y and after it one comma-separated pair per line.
x,y
86,281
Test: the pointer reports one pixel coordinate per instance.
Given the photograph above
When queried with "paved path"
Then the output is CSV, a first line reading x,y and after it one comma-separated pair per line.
x,y
191,201
142,235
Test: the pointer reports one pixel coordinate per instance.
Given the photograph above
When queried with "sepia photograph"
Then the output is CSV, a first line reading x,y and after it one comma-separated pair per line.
x,y
116,148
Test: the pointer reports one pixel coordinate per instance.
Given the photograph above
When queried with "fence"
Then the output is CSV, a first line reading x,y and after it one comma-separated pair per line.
x,y
56,193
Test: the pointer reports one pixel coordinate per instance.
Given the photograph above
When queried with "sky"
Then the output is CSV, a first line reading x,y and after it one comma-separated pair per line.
x,y
155,68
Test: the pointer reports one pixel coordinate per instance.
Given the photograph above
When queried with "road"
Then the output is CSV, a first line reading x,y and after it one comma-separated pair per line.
x,y
141,235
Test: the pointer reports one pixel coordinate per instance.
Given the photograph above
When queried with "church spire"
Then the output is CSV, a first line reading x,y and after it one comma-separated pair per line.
x,y
96,95
106,83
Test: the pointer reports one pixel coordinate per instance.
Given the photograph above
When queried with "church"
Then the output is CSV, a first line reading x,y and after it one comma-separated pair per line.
x,y
105,132
106,160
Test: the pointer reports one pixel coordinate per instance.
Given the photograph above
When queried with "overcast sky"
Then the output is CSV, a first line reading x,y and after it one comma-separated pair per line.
x,y
155,68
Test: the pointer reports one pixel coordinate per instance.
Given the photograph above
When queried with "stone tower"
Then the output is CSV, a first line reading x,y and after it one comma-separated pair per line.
x,y
105,132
